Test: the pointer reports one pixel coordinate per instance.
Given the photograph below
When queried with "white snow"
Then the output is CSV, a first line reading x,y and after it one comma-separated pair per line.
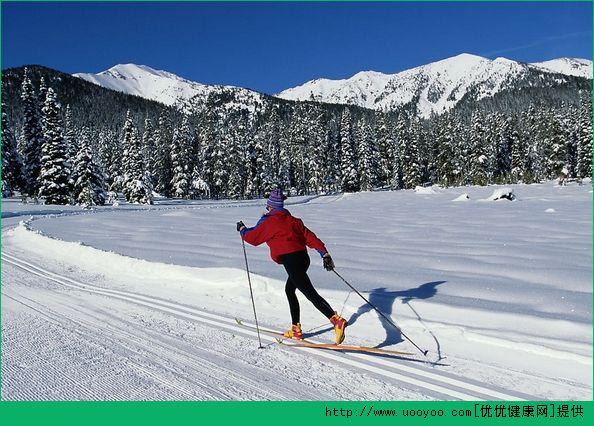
x,y
440,85
138,302
503,193
568,66
462,197
161,86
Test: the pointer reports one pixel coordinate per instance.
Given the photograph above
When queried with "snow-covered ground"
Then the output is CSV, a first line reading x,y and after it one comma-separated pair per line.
x,y
138,302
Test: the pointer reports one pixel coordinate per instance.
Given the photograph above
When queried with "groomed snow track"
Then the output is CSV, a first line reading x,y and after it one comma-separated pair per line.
x,y
218,382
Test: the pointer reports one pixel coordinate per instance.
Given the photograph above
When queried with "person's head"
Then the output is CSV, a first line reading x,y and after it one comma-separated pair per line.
x,y
276,199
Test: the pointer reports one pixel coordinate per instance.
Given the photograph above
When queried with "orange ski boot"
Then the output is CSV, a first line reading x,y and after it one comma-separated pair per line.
x,y
294,333
339,326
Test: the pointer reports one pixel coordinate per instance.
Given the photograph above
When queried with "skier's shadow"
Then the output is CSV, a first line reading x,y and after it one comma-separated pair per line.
x,y
384,300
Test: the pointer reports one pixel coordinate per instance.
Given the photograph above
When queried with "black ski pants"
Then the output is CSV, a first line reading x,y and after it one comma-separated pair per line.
x,y
296,265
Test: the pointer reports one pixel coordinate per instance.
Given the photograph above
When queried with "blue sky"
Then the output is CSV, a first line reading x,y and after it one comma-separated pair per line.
x,y
273,46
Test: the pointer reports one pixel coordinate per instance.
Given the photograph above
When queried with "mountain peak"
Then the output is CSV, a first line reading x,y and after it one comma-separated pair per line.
x,y
435,87
569,66
161,86
147,82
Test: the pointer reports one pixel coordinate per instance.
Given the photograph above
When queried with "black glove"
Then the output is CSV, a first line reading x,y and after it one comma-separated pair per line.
x,y
328,262
240,225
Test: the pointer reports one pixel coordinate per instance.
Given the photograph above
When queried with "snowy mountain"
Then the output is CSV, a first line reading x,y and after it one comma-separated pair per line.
x,y
567,66
164,87
436,87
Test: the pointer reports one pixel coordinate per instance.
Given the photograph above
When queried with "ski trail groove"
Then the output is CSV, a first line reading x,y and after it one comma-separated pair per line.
x,y
400,371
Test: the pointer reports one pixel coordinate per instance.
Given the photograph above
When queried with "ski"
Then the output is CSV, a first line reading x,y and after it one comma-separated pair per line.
x,y
346,348
281,339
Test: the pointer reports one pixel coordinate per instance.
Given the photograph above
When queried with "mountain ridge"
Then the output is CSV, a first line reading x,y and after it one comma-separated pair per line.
x,y
435,88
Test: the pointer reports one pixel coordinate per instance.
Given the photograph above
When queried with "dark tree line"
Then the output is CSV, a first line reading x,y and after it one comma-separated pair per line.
x,y
230,150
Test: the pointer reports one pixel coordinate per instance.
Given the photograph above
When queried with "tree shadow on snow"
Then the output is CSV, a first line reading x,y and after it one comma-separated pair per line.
x,y
384,300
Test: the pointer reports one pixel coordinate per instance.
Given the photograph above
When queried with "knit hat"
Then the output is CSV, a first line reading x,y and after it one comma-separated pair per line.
x,y
276,199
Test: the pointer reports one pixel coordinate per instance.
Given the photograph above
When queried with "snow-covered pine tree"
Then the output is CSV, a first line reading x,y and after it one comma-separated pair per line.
x,y
252,180
315,156
298,136
505,128
149,146
162,171
71,141
411,168
555,148
584,149
55,168
89,181
533,146
42,91
220,162
198,187
385,142
70,133
282,155
480,153
12,173
32,137
135,185
518,155
331,157
447,171
569,120
425,154
348,159
180,157
110,156
367,153
236,171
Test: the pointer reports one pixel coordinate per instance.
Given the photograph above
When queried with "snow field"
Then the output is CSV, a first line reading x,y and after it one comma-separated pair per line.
x,y
500,290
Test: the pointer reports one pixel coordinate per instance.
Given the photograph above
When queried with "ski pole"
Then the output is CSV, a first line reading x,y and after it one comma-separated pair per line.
x,y
247,268
424,352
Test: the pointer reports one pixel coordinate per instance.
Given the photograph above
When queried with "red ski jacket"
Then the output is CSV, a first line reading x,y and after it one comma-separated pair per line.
x,y
283,233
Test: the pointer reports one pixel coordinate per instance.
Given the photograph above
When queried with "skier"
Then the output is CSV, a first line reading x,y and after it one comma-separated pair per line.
x,y
288,239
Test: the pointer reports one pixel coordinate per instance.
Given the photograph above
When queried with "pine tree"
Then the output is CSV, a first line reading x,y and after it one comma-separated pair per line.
x,y
315,157
136,185
32,137
180,157
198,187
517,156
411,168
348,161
385,142
584,148
506,134
220,163
70,133
299,143
462,149
12,174
42,91
149,147
331,157
447,170
71,140
281,154
55,168
89,180
367,154
162,171
555,148
480,154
